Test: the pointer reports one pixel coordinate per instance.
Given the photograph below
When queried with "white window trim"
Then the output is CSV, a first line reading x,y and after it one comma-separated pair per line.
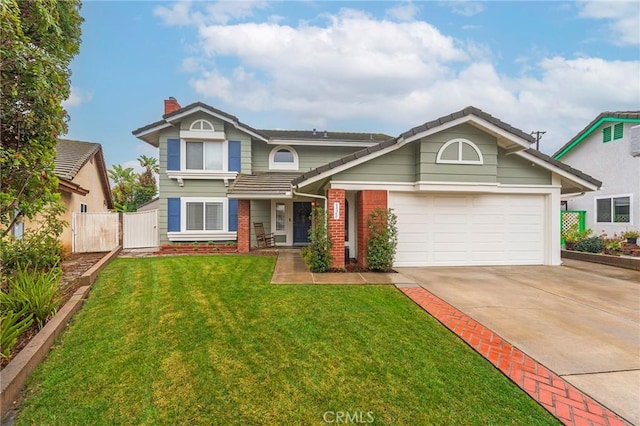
x,y
288,221
183,213
283,166
460,142
183,157
604,197
202,120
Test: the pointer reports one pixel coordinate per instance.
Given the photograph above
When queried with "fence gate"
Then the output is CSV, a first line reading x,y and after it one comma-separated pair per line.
x,y
94,232
140,229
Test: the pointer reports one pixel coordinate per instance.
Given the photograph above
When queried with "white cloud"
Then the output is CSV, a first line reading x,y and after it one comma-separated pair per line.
x,y
399,75
623,19
220,12
77,97
464,7
179,14
404,12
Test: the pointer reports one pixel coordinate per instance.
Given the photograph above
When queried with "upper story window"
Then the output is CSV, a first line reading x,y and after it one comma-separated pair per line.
x,y
201,125
283,158
614,132
459,151
204,155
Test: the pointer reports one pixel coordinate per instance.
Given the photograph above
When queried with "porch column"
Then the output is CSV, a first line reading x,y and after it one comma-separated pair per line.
x,y
368,201
336,220
244,226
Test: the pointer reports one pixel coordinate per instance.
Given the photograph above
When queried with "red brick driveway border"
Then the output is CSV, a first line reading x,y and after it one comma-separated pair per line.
x,y
563,400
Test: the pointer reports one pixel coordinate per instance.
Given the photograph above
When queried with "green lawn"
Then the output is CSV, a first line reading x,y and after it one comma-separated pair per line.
x,y
207,340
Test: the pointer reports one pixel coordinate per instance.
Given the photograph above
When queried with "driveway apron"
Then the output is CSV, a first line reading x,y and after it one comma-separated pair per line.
x,y
580,320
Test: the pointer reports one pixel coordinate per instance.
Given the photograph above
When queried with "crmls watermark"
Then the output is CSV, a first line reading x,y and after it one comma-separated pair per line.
x,y
356,417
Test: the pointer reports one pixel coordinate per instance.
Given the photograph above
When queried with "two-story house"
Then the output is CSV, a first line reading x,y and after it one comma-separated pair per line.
x,y
467,188
604,149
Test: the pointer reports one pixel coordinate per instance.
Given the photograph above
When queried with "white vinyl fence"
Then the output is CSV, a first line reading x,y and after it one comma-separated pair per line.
x,y
140,229
94,232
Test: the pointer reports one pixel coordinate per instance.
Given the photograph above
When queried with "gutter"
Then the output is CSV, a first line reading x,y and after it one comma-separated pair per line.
x,y
322,197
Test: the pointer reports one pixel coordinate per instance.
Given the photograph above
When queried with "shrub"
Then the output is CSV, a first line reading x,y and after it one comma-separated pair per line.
x,y
590,245
32,293
383,240
38,250
573,235
317,255
12,325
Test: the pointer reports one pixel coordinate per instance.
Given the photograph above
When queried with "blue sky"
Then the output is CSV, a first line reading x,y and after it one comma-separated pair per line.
x,y
352,66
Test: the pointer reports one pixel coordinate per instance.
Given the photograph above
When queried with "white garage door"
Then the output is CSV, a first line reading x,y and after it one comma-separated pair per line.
x,y
458,230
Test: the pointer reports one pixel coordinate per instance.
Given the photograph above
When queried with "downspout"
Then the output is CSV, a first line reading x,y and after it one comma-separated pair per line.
x,y
322,197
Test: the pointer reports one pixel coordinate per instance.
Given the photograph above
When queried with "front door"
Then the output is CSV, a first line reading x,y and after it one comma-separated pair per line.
x,y
301,222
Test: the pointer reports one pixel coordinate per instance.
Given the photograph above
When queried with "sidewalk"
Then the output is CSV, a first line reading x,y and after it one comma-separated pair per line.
x,y
290,269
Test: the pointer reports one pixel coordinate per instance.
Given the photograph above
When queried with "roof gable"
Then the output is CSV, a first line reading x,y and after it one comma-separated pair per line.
x,y
604,117
514,141
150,132
71,156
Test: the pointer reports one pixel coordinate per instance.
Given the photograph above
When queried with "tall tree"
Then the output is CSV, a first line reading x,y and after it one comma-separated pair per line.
x,y
38,40
146,188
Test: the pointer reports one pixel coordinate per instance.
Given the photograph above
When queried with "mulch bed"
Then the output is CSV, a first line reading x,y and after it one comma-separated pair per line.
x,y
72,268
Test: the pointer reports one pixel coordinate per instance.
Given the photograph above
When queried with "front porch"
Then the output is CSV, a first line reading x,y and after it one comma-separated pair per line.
x,y
288,217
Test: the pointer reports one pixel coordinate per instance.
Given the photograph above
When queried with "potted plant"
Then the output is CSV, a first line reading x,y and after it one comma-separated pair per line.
x,y
631,236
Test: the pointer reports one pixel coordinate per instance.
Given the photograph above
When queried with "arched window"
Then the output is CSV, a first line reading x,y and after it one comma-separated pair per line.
x,y
283,158
201,125
459,151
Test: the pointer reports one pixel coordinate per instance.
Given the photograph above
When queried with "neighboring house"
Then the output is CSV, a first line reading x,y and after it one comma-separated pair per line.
x,y
83,181
604,149
152,204
467,188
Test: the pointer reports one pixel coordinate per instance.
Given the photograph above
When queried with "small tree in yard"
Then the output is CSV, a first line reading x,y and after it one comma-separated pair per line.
x,y
383,240
317,255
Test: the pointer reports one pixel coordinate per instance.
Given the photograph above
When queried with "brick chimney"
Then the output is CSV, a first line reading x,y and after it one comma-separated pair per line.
x,y
171,105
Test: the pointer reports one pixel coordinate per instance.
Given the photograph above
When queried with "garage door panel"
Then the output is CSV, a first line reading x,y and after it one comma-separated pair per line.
x,y
478,229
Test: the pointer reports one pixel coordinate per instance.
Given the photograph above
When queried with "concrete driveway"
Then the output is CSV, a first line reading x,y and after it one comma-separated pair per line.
x,y
580,320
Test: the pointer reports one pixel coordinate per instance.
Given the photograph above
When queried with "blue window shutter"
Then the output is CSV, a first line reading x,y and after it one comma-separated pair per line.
x,y
173,154
234,156
173,216
233,215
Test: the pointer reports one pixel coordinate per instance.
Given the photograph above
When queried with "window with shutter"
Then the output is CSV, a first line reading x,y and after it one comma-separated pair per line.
x,y
606,134
617,131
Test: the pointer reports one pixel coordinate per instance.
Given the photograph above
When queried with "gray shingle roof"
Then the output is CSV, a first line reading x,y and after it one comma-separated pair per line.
x,y
72,155
606,114
564,167
320,135
438,122
204,106
470,110
265,183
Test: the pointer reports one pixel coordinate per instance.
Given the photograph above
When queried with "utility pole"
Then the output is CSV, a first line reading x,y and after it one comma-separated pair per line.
x,y
538,134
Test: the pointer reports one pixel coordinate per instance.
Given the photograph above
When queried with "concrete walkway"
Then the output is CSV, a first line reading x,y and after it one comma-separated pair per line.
x,y
290,269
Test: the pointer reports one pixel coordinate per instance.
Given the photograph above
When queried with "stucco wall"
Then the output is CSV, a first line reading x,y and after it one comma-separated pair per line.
x,y
619,172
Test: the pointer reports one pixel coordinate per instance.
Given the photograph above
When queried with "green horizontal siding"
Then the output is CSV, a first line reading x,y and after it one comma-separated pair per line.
x,y
396,166
185,124
260,212
515,170
428,170
309,157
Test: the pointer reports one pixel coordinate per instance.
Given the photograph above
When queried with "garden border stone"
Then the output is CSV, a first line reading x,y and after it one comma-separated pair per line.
x,y
15,374
605,259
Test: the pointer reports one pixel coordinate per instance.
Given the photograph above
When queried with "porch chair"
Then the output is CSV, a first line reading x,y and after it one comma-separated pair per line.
x,y
263,239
